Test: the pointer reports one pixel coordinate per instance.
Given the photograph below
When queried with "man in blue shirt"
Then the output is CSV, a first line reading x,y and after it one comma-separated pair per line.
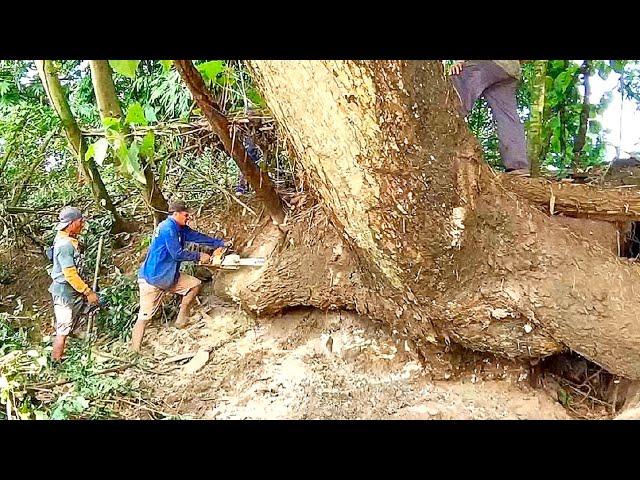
x,y
160,271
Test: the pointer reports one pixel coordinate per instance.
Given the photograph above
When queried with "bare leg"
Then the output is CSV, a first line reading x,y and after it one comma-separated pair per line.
x,y
137,333
58,347
150,300
185,307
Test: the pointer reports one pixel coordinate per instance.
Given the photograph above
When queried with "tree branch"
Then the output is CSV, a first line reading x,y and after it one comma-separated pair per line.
x,y
258,179
578,200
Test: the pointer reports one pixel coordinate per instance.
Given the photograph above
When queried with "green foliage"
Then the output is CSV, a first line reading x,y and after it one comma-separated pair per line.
x,y
564,398
98,151
562,111
98,226
150,114
481,124
147,146
127,157
24,360
166,65
122,299
211,70
255,98
20,363
135,115
125,67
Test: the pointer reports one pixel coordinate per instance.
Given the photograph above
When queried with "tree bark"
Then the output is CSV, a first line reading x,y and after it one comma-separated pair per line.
x,y
443,250
109,106
77,143
259,180
105,90
581,136
578,200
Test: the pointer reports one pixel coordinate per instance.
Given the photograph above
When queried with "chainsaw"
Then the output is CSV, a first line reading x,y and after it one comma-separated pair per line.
x,y
222,258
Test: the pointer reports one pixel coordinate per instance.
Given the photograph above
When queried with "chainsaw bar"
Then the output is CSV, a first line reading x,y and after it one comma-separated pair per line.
x,y
233,261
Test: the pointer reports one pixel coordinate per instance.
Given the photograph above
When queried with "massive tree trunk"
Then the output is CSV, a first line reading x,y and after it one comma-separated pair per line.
x,y
438,247
77,143
259,180
109,106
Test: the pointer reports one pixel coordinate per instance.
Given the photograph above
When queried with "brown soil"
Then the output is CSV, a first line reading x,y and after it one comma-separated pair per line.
x,y
28,282
308,364
302,364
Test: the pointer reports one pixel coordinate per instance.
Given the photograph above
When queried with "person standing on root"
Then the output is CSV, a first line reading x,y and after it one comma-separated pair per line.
x,y
496,81
160,271
255,154
67,288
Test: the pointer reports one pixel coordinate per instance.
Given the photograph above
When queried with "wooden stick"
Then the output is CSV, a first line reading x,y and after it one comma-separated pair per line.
x,y
95,286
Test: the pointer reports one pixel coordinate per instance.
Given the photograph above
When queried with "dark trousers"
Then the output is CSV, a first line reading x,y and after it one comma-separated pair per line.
x,y
486,79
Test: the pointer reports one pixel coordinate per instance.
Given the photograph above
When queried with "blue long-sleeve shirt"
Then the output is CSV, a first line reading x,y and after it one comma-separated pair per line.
x,y
161,267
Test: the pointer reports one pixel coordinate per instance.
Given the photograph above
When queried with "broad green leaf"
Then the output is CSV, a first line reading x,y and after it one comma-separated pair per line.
x,y
122,156
111,123
555,143
134,163
91,152
59,413
98,151
150,114
210,70
227,78
166,65
147,147
562,81
552,98
135,115
125,67
255,97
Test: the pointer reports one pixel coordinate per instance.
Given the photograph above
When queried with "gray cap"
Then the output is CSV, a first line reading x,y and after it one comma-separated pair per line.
x,y
68,215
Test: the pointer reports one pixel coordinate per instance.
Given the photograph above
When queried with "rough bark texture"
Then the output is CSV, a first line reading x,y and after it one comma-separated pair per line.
x,y
259,180
109,106
59,103
443,249
105,90
579,200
